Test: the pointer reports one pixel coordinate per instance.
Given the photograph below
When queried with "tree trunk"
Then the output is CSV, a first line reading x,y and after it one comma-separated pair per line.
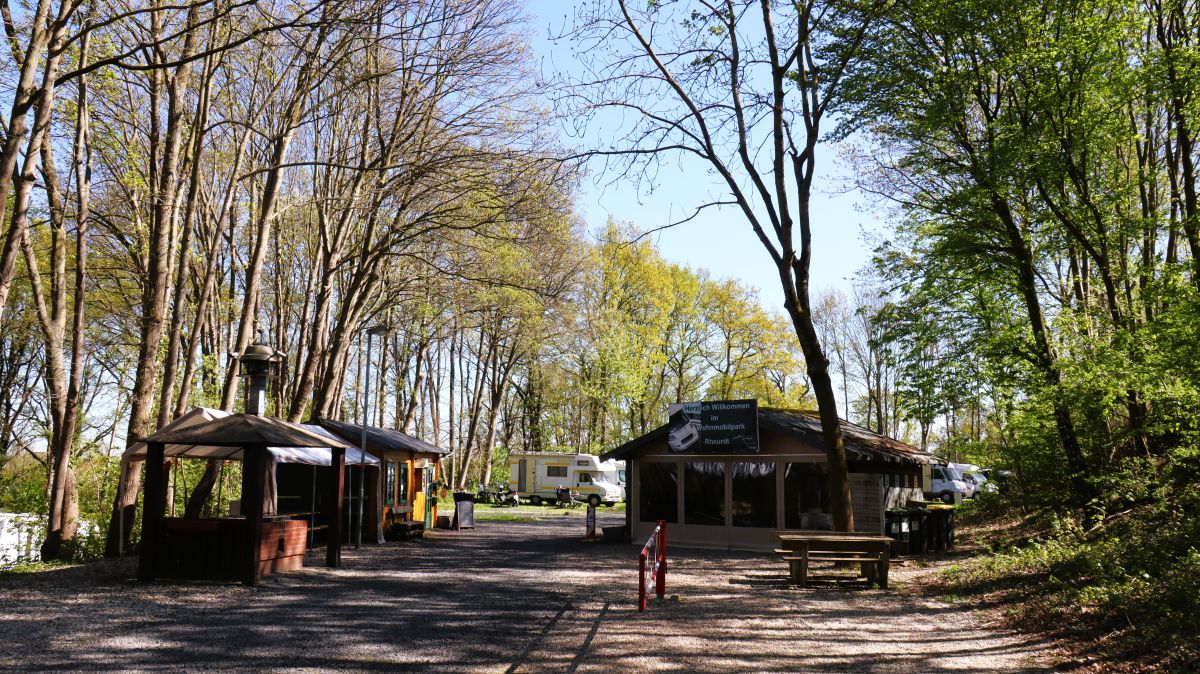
x,y
157,281
25,96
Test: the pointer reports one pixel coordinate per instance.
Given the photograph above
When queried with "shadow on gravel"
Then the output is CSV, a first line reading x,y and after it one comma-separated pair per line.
x,y
507,597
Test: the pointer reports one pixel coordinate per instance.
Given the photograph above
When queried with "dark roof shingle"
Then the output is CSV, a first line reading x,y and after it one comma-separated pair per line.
x,y
241,430
383,439
861,444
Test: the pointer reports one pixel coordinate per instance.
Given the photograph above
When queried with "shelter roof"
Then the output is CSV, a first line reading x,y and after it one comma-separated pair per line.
x,y
241,430
316,453
861,444
379,439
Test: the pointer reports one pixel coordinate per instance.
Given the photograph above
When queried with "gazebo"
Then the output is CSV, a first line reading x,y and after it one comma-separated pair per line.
x,y
251,546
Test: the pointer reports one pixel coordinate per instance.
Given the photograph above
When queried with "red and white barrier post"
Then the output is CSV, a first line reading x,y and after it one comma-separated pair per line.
x,y
656,551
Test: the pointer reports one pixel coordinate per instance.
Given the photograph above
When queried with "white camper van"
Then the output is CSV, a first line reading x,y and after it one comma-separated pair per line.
x,y
535,476
614,471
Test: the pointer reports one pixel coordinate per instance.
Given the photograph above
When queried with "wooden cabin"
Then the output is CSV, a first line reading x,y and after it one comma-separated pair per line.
x,y
739,500
402,494
256,540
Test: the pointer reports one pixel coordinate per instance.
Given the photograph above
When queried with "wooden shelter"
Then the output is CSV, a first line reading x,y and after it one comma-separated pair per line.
x,y
257,543
404,501
740,500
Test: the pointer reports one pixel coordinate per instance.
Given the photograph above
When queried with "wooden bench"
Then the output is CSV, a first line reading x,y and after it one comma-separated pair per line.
x,y
402,528
799,549
408,529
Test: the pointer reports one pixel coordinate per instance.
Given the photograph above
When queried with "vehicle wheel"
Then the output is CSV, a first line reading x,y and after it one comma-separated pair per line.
x,y
594,501
947,497
535,500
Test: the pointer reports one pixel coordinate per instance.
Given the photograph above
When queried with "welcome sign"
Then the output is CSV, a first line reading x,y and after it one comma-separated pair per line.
x,y
714,427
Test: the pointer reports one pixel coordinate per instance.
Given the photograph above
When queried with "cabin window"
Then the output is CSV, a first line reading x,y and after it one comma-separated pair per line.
x,y
704,492
556,471
806,496
585,477
658,492
402,483
582,463
754,494
389,484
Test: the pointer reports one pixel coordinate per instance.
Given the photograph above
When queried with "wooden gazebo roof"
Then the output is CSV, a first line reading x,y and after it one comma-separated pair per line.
x,y
244,430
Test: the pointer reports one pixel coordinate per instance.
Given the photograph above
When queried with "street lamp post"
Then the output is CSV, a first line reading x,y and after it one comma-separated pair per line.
x,y
362,449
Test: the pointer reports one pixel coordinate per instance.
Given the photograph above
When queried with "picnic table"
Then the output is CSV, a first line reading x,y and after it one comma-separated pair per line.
x,y
870,551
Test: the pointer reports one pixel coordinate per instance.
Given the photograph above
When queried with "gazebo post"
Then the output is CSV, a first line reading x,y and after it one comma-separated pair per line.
x,y
154,503
333,509
252,507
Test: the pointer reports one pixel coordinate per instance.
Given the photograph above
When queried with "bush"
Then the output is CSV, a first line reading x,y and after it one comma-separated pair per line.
x,y
1122,574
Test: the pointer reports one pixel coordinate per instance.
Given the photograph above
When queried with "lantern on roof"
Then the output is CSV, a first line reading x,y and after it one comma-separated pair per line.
x,y
256,364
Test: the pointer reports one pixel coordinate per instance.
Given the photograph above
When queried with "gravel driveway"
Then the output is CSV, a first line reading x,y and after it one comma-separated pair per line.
x,y
507,597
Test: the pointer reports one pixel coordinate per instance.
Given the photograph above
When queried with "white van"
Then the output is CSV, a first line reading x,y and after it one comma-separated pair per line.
x,y
976,480
536,475
947,484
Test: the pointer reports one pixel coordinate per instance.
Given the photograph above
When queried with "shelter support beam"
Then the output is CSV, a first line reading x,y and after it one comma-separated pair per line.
x,y
252,507
333,509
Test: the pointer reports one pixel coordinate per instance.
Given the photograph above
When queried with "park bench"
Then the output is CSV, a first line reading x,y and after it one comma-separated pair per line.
x,y
404,528
801,548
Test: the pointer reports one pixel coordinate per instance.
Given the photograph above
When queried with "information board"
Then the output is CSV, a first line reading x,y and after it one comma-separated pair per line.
x,y
714,427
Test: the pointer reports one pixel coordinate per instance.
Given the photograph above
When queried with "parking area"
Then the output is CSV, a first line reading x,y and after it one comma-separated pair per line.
x,y
509,596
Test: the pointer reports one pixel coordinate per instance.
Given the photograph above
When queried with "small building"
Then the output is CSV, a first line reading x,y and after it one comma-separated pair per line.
x,y
740,500
257,539
406,500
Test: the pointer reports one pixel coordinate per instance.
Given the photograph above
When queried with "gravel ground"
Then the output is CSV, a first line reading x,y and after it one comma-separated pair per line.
x,y
507,597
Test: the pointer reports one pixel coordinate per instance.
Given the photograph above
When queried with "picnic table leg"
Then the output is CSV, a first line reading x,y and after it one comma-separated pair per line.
x,y
868,569
883,570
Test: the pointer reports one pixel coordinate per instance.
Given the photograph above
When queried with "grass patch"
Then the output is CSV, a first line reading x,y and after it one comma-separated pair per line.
x,y
528,513
26,568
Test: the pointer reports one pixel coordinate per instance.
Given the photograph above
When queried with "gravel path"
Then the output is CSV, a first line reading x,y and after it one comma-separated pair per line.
x,y
507,597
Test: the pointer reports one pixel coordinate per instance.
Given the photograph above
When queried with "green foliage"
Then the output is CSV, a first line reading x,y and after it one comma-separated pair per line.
x,y
1131,564
23,487
644,333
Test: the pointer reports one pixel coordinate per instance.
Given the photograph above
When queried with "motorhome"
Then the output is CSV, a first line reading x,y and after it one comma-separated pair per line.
x,y
614,471
535,476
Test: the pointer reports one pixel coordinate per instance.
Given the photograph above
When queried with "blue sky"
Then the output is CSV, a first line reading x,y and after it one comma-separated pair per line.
x,y
718,240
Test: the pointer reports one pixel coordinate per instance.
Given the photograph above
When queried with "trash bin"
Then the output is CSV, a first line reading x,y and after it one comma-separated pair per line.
x,y
897,526
918,530
939,516
949,529
464,510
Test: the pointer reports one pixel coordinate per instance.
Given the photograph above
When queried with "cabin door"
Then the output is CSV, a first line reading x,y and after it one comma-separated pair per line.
x,y
522,481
